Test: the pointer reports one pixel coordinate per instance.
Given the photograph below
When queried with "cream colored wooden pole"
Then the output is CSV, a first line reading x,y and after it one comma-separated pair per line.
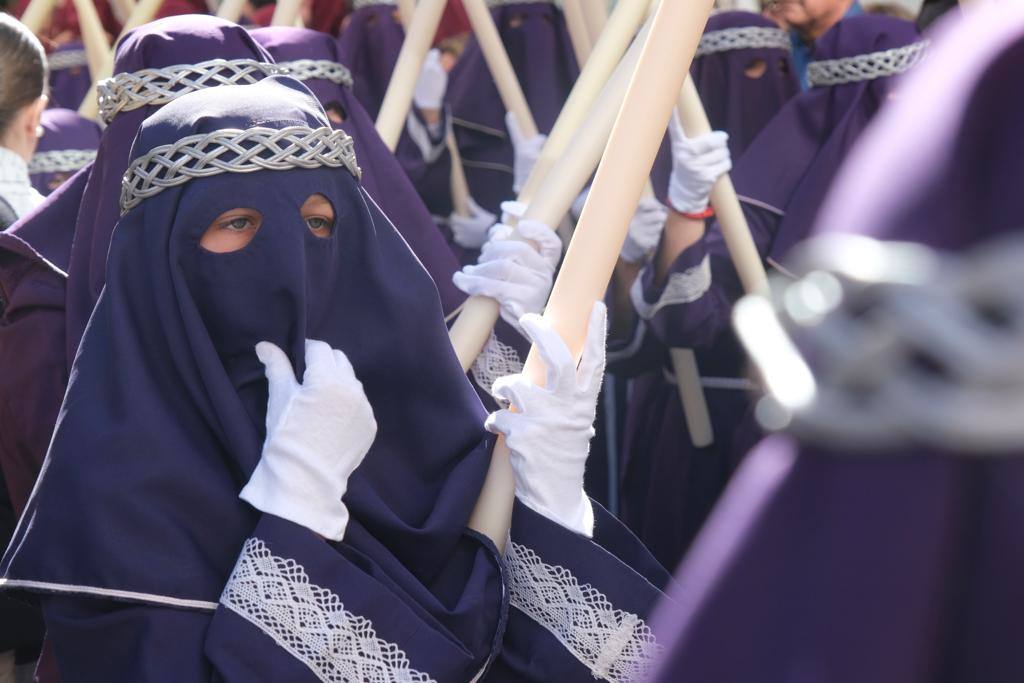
x,y
37,14
97,49
406,8
460,186
142,13
285,12
603,59
231,10
730,216
590,259
471,330
122,9
398,98
596,13
499,65
579,32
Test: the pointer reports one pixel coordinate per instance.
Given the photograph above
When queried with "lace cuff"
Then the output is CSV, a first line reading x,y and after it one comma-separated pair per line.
x,y
682,288
496,360
311,623
613,644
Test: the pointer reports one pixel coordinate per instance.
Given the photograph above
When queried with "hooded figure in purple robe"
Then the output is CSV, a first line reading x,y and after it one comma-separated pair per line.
x,y
369,45
744,75
162,553
312,57
35,349
68,143
879,540
538,45
70,79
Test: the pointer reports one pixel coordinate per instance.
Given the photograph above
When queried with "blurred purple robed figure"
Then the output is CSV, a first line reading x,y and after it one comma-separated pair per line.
x,y
168,370
744,75
35,349
68,144
69,75
538,45
901,563
369,45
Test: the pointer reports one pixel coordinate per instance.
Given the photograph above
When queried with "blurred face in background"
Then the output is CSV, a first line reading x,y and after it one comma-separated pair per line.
x,y
809,18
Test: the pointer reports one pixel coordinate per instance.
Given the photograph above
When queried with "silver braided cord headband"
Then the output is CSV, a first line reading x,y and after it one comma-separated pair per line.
x,y
893,346
232,150
866,67
501,3
66,59
305,69
743,38
60,160
128,91
359,4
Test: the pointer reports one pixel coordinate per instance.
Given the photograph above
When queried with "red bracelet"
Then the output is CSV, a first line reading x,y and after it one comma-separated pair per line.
x,y
699,216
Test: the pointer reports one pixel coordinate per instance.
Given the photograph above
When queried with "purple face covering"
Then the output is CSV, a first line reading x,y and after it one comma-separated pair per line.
x,y
737,95
538,45
900,564
164,418
369,46
68,144
383,178
69,75
790,166
188,39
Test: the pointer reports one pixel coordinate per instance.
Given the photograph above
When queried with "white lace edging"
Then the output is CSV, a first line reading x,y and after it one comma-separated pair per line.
x,y
311,623
495,361
681,288
614,645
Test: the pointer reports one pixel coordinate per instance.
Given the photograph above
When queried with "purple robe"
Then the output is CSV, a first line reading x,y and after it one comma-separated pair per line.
x,y
369,45
668,485
161,546
69,75
883,566
538,45
68,143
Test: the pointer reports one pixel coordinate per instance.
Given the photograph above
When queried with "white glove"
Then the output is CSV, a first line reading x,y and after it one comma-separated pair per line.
x,y
527,151
432,82
317,434
471,231
644,230
512,210
549,436
512,272
696,164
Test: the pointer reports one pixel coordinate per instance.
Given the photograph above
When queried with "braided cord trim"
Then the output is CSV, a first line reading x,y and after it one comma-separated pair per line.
x,y
128,91
615,645
360,4
743,38
306,69
502,3
311,623
60,160
66,59
866,67
235,151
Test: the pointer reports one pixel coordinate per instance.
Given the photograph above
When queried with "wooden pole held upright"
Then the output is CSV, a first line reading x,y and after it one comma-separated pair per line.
x,y
568,176
615,192
603,60
579,32
37,14
97,49
231,9
406,8
142,13
500,66
398,98
285,12
724,200
596,13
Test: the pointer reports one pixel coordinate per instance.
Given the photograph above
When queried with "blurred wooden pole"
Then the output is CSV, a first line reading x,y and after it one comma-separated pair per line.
x,y
37,14
579,32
